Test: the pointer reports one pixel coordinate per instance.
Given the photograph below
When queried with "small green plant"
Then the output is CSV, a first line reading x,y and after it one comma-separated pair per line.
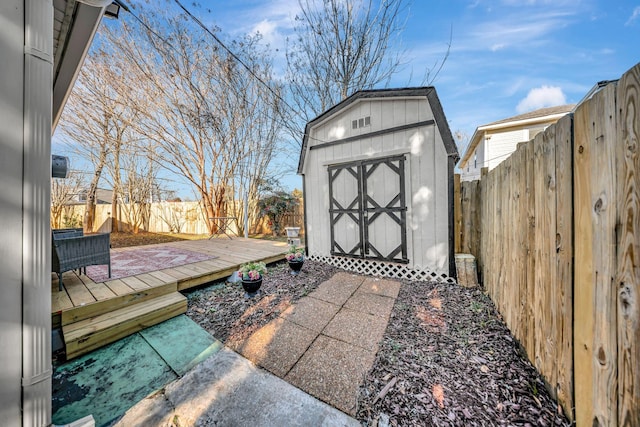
x,y
72,221
252,271
275,206
477,306
295,254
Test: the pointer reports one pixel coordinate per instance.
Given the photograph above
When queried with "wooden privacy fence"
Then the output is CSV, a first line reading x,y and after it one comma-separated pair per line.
x,y
556,231
166,217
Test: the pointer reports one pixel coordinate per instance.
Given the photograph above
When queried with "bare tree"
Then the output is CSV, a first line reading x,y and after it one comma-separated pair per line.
x,y
63,191
137,183
211,120
341,46
95,122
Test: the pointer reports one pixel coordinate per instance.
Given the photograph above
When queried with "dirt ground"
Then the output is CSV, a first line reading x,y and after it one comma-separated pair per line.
x,y
123,240
446,359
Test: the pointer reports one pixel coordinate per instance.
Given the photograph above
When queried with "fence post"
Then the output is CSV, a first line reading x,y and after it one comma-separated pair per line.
x,y
457,215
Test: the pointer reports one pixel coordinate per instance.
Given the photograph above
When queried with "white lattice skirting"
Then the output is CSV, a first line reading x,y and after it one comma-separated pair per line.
x,y
383,269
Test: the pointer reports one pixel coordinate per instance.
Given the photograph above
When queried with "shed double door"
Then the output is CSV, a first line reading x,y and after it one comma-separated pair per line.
x,y
368,209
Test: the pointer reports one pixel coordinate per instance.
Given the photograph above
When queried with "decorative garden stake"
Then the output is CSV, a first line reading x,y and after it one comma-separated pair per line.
x,y
251,274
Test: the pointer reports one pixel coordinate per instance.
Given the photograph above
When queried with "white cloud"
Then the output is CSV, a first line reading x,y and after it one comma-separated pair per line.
x,y
520,30
634,15
269,32
540,97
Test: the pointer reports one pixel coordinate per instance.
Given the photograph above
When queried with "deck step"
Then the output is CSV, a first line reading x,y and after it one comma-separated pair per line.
x,y
95,309
89,334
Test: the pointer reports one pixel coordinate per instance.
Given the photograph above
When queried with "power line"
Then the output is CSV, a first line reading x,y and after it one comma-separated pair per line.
x,y
228,50
237,58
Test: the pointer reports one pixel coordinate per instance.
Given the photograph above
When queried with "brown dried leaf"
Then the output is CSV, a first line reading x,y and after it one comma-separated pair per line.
x,y
436,303
438,394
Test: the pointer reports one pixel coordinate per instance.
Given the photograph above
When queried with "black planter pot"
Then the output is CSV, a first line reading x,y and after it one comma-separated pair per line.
x,y
251,287
295,267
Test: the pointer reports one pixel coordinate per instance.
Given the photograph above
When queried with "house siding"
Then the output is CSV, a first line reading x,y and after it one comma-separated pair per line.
x,y
501,145
471,170
11,175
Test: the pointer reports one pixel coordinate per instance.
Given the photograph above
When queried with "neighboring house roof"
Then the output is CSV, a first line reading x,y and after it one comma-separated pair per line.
x,y
428,91
103,197
543,115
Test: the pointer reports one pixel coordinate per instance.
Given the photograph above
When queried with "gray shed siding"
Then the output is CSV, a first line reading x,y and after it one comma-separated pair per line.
x,y
426,174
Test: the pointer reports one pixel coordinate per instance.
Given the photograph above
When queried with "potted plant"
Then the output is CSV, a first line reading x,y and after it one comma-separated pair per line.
x,y
251,274
295,258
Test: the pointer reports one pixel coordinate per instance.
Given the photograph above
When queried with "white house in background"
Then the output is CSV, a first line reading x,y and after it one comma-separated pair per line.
x,y
494,142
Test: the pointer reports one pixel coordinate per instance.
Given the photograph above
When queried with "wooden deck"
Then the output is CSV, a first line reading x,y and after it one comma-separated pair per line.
x,y
93,314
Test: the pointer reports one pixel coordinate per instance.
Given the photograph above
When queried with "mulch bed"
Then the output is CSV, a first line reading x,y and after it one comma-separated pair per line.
x,y
226,314
446,357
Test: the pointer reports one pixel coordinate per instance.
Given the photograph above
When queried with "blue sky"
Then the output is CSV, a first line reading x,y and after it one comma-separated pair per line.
x,y
507,56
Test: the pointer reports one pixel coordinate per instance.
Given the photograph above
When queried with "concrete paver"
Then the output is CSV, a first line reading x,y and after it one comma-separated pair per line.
x,y
348,315
378,286
371,303
360,329
277,346
332,371
311,313
338,288
228,390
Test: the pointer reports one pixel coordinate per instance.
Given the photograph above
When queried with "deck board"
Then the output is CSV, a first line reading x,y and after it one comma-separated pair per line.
x,y
228,255
77,290
162,276
135,283
153,281
99,291
118,287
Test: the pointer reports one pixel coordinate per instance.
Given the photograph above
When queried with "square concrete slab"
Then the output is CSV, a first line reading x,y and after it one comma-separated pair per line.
x,y
311,313
181,342
371,303
227,390
338,289
361,329
277,346
332,371
107,382
384,287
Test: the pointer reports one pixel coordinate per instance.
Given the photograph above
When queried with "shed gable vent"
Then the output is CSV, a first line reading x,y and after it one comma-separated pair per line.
x,y
361,122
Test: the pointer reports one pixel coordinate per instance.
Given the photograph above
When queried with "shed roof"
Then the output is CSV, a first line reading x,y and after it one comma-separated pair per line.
x,y
428,92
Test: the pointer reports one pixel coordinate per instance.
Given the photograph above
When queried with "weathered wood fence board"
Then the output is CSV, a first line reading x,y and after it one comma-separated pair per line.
x,y
564,262
627,280
556,230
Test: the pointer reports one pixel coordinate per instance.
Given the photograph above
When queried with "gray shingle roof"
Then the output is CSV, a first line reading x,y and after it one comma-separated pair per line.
x,y
548,111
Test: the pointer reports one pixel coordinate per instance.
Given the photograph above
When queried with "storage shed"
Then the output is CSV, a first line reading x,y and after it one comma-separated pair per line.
x,y
377,174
